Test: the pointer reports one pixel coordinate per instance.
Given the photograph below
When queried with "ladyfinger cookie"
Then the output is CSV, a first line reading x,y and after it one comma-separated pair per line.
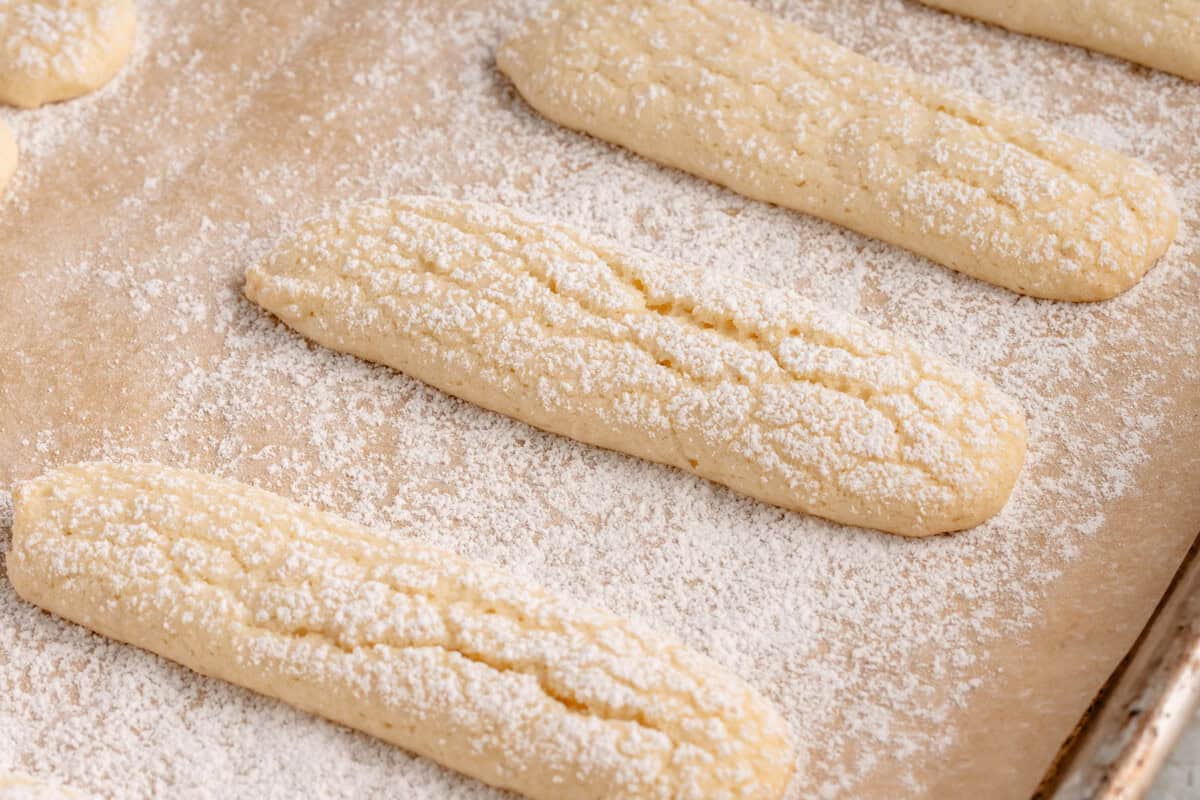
x,y
455,660
756,389
781,114
1164,34
53,50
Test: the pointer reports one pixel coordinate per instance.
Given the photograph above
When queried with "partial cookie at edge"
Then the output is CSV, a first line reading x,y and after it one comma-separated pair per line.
x,y
1163,35
52,50
781,114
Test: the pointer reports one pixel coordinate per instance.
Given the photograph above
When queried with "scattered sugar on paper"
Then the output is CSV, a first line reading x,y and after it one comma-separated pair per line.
x,y
866,641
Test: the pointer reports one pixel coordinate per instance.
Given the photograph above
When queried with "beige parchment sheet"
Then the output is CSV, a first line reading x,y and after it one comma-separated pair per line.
x,y
931,668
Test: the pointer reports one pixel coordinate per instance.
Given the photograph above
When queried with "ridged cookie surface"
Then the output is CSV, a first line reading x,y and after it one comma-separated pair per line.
x,y
781,114
455,660
1164,34
757,389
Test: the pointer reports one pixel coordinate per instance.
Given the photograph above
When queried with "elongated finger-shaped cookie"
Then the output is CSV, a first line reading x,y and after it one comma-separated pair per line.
x,y
53,50
1164,34
753,388
454,660
781,114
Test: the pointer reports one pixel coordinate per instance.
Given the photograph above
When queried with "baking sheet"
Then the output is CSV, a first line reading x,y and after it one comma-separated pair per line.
x,y
1150,699
930,668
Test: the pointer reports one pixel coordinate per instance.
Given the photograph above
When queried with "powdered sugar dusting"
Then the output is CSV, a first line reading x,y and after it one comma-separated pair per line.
x,y
1165,35
205,150
800,406
452,658
54,45
781,114
24,787
53,38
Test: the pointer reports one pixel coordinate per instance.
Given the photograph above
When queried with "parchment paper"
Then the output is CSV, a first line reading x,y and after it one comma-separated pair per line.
x,y
942,668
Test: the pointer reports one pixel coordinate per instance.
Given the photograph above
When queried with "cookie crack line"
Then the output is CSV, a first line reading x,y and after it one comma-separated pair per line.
x,y
858,390
781,114
574,705
142,553
450,595
757,389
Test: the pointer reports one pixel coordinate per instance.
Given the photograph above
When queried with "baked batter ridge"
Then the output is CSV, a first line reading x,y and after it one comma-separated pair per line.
x,y
452,659
751,387
784,115
1164,34
53,50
